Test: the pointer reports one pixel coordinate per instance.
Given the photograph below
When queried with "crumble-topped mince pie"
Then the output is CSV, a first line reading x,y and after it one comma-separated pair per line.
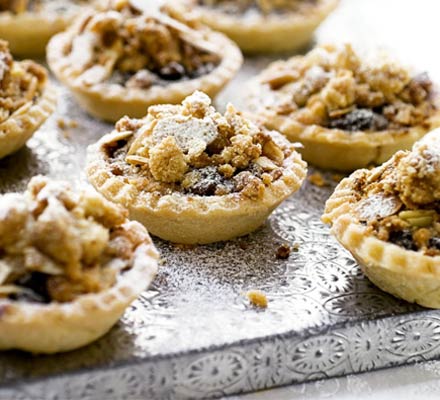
x,y
29,24
389,218
192,175
347,112
121,61
70,263
26,100
264,26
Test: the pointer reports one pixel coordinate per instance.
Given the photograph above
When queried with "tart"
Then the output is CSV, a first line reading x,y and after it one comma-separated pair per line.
x,y
70,263
29,24
261,26
348,112
192,175
26,100
120,61
389,219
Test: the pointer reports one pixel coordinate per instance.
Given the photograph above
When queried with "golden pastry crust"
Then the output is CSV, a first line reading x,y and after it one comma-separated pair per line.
x,y
121,61
266,30
347,113
387,219
28,30
70,264
192,175
26,100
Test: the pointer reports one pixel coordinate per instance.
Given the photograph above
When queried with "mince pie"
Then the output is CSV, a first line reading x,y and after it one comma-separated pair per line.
x,y
26,100
389,219
192,175
120,61
29,24
347,112
70,263
264,26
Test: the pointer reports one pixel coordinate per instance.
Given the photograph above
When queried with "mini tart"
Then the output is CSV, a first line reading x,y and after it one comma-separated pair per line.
x,y
259,27
347,112
121,61
389,219
192,175
26,100
70,264
29,24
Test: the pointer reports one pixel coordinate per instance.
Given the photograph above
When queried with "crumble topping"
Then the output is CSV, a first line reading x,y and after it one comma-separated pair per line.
x,y
21,82
56,244
400,201
192,149
129,47
334,88
262,6
58,6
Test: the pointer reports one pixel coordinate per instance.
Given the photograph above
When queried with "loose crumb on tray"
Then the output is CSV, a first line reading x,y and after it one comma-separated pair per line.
x,y
283,252
257,298
317,179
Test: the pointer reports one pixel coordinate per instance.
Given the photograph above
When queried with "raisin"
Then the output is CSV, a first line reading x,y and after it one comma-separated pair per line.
x,y
172,72
36,282
403,239
434,243
206,182
360,120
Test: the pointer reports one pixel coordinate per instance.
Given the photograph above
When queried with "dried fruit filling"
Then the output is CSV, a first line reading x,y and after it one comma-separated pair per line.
x,y
56,245
21,83
263,6
334,88
192,149
400,201
136,50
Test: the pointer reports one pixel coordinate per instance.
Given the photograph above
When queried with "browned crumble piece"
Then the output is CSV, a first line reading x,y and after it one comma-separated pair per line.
x,y
317,179
257,298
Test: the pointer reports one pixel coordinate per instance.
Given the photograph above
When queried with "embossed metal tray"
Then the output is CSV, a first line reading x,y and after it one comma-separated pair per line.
x,y
194,335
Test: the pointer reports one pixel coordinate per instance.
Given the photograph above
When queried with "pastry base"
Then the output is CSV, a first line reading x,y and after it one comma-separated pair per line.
x,y
268,34
406,274
21,125
60,327
28,34
340,150
187,219
112,102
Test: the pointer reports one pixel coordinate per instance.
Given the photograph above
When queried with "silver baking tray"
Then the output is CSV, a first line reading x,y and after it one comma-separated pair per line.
x,y
194,334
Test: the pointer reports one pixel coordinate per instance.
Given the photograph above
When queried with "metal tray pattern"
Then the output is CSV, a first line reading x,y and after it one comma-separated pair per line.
x,y
193,334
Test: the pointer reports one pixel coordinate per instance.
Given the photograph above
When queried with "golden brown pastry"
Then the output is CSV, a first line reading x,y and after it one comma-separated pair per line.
x,y
29,24
26,100
348,112
388,218
120,61
263,26
70,263
193,175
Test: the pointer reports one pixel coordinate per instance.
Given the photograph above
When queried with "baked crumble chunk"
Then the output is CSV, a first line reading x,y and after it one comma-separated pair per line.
x,y
193,150
21,83
399,202
333,87
262,6
57,244
133,49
